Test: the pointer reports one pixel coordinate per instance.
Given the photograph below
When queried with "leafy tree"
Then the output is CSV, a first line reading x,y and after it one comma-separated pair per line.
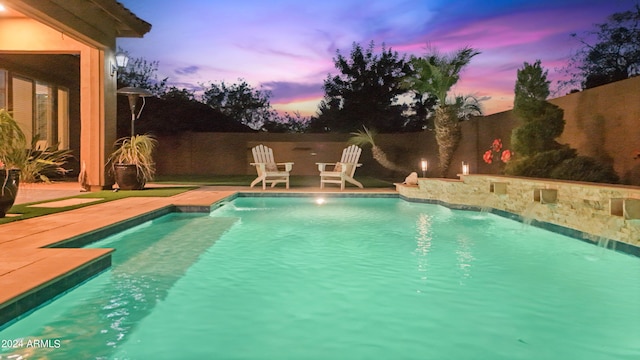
x,y
173,93
287,123
538,154
143,74
420,115
171,110
240,101
541,121
364,93
435,74
614,54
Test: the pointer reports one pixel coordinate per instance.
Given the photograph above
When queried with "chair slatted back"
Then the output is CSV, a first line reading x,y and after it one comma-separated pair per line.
x,y
351,155
263,154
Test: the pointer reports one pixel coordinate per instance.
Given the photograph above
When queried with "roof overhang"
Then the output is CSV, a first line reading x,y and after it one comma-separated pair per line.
x,y
97,21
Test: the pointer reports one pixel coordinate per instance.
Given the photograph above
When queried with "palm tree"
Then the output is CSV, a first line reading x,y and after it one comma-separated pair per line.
x,y
365,137
436,74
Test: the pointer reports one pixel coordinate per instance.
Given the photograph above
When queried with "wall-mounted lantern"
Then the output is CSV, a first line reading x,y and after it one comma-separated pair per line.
x,y
122,60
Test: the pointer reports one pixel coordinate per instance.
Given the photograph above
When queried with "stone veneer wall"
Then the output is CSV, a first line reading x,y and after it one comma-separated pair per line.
x,y
595,212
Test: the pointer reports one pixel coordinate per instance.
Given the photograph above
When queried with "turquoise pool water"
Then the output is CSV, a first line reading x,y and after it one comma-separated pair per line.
x,y
356,278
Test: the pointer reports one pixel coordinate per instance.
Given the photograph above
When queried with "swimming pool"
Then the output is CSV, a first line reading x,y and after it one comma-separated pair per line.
x,y
349,278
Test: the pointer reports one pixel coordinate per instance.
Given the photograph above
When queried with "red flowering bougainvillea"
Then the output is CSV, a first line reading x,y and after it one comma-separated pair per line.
x,y
496,146
506,156
488,156
496,149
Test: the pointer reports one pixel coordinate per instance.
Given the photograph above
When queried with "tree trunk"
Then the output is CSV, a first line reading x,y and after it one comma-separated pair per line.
x,y
448,134
382,159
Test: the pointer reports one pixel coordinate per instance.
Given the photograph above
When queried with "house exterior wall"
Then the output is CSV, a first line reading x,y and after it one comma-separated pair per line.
x,y
89,29
29,36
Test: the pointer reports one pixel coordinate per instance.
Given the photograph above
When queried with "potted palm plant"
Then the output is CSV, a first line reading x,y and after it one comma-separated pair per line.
x,y
132,161
13,154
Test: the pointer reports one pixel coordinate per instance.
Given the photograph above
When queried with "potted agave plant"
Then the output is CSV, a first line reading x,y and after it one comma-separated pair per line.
x,y
132,161
13,154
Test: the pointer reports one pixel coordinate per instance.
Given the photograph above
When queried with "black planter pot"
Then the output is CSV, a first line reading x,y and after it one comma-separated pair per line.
x,y
10,179
127,177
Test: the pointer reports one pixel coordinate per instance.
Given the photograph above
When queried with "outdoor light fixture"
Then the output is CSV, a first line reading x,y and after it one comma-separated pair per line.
x,y
133,93
465,168
424,168
121,62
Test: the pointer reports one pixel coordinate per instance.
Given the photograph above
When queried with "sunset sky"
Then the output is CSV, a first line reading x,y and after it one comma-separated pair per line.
x,y
288,46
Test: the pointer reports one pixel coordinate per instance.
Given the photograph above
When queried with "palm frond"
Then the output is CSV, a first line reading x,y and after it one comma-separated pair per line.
x,y
365,137
466,106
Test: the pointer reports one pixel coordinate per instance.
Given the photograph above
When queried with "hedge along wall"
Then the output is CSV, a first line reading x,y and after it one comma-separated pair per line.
x,y
602,122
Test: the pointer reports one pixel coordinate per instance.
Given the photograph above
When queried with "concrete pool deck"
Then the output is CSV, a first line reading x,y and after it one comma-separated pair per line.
x,y
32,271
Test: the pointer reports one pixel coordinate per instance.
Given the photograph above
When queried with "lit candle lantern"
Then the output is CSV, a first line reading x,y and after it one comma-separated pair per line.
x,y
424,168
465,168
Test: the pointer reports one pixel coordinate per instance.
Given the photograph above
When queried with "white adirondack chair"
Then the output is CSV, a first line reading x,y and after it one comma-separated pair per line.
x,y
268,170
343,170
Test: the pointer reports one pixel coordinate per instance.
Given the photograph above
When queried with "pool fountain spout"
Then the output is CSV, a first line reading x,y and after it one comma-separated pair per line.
x,y
528,215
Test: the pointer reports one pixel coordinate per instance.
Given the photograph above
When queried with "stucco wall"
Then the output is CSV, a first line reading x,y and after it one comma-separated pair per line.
x,y
604,123
600,122
230,153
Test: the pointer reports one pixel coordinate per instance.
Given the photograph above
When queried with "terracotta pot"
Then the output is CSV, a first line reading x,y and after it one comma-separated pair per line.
x,y
127,177
10,179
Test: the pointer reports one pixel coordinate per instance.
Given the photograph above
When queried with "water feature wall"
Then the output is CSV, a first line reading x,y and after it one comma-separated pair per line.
x,y
593,212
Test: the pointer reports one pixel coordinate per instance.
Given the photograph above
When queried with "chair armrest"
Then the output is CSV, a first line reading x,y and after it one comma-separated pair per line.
x,y
261,166
287,166
345,166
322,166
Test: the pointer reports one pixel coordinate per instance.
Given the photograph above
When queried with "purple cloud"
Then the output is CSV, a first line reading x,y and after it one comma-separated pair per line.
x,y
188,70
287,92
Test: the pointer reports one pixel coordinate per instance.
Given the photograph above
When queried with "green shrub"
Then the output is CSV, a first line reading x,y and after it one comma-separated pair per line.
x,y
41,165
540,165
583,168
538,130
